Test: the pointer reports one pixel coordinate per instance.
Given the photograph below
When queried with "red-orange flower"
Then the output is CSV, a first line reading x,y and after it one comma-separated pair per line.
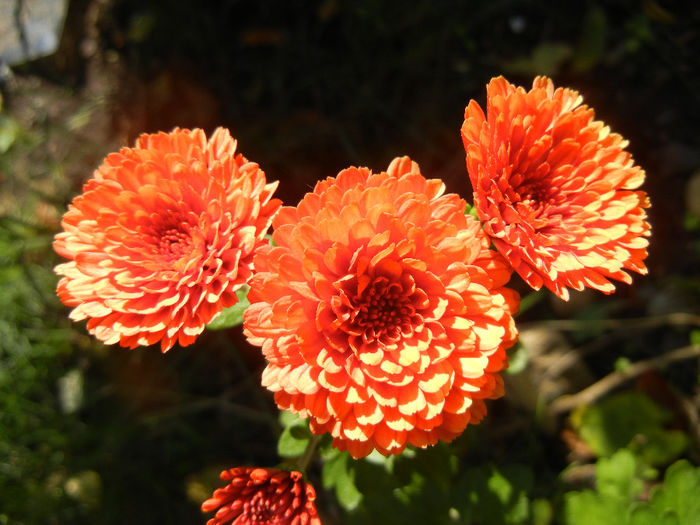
x,y
554,188
258,496
382,311
162,237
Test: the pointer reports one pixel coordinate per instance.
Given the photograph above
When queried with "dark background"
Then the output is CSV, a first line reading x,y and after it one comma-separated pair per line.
x,y
308,88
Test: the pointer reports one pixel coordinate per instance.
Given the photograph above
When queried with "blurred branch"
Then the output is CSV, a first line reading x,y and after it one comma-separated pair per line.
x,y
631,323
574,356
20,27
221,403
690,410
11,223
619,377
258,397
308,455
580,475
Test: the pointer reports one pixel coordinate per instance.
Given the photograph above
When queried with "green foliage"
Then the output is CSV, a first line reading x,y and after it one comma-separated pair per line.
x,y
618,477
493,496
622,364
678,499
630,419
471,210
530,299
232,316
35,428
415,487
619,484
9,130
542,512
695,337
109,436
295,435
691,222
428,486
517,360
339,475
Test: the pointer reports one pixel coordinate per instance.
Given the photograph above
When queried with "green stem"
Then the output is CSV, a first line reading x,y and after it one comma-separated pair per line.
x,y
308,453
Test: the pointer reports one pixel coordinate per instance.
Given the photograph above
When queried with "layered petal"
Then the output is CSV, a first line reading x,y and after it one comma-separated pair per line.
x,y
162,236
381,310
556,189
259,496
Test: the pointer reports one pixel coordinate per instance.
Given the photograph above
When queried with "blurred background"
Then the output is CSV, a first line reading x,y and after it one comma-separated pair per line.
x,y
95,434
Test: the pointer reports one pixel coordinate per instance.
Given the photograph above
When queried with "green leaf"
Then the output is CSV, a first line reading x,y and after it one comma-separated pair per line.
x,y
517,360
233,316
325,448
619,485
542,512
496,496
346,491
412,487
332,470
680,494
691,222
643,515
630,419
617,476
471,210
588,508
530,300
338,474
695,337
660,446
9,130
295,435
293,441
290,419
622,364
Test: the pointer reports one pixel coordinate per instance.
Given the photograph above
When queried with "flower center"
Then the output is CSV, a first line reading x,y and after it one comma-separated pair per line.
x,y
258,509
174,243
377,309
537,192
533,198
382,310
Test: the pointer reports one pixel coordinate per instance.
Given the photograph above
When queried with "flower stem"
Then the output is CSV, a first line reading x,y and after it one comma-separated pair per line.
x,y
611,381
308,453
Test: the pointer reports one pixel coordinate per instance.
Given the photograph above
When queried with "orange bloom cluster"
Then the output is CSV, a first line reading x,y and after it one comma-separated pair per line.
x,y
258,496
162,237
381,311
555,188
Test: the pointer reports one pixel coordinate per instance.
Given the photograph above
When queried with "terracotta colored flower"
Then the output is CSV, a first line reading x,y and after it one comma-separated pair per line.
x,y
555,188
381,311
162,237
258,496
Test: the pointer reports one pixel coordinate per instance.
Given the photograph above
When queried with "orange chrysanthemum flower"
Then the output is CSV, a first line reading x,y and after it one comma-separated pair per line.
x,y
554,188
258,496
382,311
162,237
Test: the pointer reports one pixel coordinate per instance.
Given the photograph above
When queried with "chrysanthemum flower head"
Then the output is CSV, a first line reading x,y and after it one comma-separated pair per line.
x,y
381,311
555,188
162,236
258,496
